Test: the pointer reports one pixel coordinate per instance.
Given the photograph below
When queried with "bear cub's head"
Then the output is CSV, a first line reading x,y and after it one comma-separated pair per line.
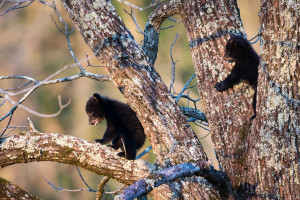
x,y
236,48
95,109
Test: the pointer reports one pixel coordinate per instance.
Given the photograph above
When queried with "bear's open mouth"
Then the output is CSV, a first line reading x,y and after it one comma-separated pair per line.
x,y
96,122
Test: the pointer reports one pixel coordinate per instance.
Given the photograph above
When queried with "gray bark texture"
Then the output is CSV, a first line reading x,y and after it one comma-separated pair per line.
x,y
259,158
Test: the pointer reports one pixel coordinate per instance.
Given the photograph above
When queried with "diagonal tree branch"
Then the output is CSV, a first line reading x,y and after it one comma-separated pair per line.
x,y
33,146
11,191
146,185
172,139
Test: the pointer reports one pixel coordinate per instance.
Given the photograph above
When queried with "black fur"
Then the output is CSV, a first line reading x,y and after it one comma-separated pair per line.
x,y
246,60
123,126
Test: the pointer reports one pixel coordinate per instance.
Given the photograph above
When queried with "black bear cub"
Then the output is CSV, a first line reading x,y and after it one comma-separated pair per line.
x,y
124,129
246,60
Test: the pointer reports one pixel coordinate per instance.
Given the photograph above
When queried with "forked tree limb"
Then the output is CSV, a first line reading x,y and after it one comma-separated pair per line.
x,y
171,137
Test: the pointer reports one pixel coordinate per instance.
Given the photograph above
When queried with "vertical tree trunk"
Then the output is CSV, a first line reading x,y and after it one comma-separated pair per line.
x,y
261,157
275,157
208,25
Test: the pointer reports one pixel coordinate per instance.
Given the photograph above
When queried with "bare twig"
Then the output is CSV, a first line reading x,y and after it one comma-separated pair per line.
x,y
204,136
3,102
117,191
18,77
88,62
144,152
59,189
2,3
61,107
125,156
140,8
47,81
10,113
133,17
30,125
84,180
173,63
185,87
67,34
100,188
16,6
166,27
195,115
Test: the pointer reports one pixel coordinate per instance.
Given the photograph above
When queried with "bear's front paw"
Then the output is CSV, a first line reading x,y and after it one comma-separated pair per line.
x,y
99,141
114,146
121,154
220,86
252,118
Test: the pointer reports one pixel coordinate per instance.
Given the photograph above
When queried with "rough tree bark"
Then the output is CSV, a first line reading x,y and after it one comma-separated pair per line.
x,y
260,157
11,191
274,142
33,146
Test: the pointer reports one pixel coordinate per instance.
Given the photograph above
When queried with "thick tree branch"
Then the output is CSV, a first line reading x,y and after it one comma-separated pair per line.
x,y
146,185
11,191
217,178
34,146
151,33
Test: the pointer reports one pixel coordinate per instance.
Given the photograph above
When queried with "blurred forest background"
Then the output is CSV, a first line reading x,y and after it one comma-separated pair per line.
x,y
31,45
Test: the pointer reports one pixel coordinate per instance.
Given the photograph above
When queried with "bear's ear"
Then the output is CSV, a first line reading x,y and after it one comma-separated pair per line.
x,y
97,97
240,43
232,36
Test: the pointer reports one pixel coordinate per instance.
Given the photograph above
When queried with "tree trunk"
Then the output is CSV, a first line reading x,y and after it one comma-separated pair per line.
x,y
274,162
263,155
